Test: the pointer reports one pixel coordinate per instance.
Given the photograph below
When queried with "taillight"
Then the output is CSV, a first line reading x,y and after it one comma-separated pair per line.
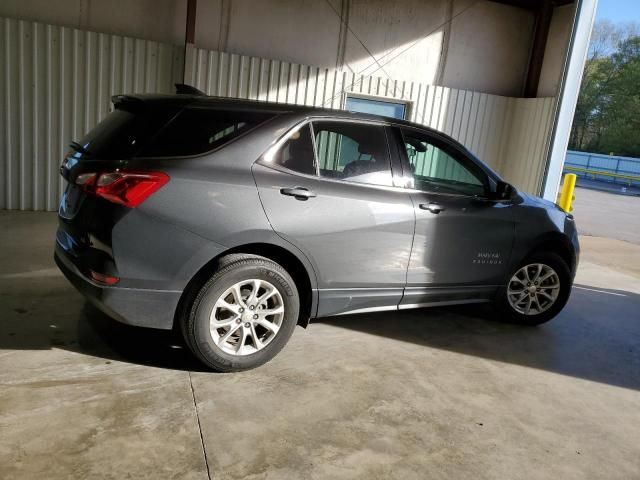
x,y
104,279
123,187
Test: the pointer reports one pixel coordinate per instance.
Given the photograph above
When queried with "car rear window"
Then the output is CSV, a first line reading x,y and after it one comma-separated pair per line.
x,y
199,130
124,132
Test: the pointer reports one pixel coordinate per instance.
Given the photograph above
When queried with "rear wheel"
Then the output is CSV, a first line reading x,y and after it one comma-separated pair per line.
x,y
244,315
536,291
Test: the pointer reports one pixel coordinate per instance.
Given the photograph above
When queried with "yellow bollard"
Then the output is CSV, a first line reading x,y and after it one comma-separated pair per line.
x,y
566,196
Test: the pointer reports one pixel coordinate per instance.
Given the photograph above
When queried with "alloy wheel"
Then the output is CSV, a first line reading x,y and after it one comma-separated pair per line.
x,y
533,289
246,317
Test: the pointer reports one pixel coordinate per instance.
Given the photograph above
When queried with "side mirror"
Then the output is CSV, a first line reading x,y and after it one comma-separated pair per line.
x,y
503,191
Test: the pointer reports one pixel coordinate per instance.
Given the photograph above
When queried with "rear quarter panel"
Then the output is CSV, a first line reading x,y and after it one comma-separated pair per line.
x,y
212,200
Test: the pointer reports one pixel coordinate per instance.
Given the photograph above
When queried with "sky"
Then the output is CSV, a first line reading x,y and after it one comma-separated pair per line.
x,y
619,10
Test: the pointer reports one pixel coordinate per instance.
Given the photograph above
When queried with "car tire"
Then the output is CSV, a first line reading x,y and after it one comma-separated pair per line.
x,y
226,302
540,294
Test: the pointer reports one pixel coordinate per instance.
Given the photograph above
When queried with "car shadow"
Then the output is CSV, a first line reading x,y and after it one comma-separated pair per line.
x,y
80,327
100,335
596,337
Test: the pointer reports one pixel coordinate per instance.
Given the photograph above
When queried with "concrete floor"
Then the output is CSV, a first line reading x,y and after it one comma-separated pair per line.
x,y
443,393
604,214
620,188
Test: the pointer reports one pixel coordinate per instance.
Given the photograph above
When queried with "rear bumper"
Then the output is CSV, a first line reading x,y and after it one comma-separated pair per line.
x,y
139,307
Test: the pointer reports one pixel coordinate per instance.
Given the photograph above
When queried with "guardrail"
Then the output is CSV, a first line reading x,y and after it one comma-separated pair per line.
x,y
608,168
594,173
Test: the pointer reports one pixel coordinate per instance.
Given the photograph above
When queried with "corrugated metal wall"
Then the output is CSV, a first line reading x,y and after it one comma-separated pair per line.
x,y
55,85
526,140
510,134
476,119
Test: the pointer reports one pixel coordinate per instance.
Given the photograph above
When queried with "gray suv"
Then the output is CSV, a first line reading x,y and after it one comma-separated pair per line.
x,y
235,221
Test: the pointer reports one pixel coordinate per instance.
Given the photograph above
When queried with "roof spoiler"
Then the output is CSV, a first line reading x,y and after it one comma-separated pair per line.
x,y
184,89
126,101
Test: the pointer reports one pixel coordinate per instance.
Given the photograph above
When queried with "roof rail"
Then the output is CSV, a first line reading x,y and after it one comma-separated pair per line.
x,y
184,89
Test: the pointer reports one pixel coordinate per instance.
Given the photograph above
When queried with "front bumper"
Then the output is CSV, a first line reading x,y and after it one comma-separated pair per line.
x,y
576,253
139,307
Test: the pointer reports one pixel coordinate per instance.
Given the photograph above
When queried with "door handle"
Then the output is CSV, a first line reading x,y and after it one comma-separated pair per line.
x,y
299,193
432,207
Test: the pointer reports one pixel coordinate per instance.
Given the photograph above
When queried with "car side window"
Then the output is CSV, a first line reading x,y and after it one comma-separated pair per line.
x,y
352,152
436,167
297,152
196,131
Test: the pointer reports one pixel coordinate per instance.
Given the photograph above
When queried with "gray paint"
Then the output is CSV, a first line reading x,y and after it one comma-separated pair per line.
x,y
363,247
469,242
355,236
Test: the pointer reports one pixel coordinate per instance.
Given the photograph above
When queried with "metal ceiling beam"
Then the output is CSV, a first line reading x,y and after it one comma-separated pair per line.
x,y
538,47
531,4
190,30
189,35
568,97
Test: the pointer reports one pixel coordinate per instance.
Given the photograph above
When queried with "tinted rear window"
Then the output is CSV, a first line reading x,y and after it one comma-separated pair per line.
x,y
197,130
123,133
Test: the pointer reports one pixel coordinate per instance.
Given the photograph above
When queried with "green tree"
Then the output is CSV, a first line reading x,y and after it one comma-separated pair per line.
x,y
588,122
621,109
608,109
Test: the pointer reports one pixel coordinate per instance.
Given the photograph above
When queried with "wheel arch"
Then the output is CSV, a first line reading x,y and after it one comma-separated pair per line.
x,y
556,243
302,274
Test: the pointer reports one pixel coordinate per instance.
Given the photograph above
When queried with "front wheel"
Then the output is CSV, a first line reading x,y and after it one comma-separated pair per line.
x,y
537,291
244,315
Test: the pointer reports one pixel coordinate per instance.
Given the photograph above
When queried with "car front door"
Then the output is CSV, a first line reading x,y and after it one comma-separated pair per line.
x,y
463,238
327,188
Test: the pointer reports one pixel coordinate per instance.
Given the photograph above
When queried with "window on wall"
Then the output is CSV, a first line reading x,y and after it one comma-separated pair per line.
x,y
352,152
377,107
436,168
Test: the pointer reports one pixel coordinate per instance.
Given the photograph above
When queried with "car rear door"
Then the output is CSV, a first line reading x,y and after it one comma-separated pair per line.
x,y
463,239
327,188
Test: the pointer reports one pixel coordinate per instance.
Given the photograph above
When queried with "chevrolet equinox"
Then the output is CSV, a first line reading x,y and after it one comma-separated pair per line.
x,y
237,220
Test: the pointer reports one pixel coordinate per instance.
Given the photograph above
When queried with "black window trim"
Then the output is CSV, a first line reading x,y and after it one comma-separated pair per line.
x,y
488,182
316,164
382,125
275,147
